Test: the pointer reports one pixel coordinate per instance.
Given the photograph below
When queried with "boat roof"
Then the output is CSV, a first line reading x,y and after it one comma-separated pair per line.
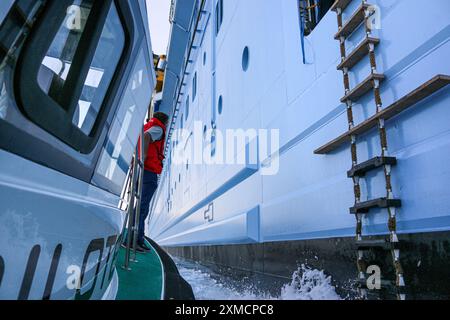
x,y
144,12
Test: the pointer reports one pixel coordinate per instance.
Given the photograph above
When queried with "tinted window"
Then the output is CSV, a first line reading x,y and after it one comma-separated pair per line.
x,y
67,68
58,63
116,156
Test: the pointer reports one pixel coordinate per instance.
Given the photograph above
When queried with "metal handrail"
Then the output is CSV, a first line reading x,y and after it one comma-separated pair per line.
x,y
134,204
130,215
126,265
126,194
139,192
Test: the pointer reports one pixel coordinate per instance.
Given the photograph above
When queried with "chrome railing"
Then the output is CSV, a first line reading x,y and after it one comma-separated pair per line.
x,y
135,181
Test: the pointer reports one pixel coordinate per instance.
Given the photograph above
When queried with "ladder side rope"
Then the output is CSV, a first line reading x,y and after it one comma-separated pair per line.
x,y
392,212
354,154
392,222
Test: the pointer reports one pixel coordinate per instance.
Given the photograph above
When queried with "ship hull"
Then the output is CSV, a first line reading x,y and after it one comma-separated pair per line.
x,y
269,266
259,72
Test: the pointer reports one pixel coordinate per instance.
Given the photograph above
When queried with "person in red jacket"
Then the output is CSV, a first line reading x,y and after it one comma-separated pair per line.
x,y
154,145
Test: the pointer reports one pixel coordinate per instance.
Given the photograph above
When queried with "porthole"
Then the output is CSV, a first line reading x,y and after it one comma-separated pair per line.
x,y
194,87
187,109
245,59
220,105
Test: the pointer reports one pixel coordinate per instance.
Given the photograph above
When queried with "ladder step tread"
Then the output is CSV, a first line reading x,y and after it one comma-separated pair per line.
x,y
355,20
340,4
361,169
21,13
411,99
364,207
358,53
362,88
377,244
385,285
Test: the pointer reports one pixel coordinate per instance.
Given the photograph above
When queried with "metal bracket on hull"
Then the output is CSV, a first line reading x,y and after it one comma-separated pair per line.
x,y
209,213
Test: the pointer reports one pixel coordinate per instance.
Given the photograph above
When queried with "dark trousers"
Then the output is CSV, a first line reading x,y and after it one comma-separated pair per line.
x,y
148,190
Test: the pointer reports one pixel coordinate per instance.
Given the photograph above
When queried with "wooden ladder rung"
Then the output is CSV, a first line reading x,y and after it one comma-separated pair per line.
x,y
414,97
340,4
358,53
362,88
352,24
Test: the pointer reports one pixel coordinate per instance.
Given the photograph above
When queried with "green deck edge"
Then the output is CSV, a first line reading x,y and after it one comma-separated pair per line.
x,y
145,281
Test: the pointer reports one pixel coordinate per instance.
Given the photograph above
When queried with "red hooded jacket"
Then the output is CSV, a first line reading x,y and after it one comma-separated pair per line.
x,y
155,153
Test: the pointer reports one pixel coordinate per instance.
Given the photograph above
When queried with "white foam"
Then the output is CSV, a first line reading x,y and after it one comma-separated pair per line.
x,y
309,284
306,284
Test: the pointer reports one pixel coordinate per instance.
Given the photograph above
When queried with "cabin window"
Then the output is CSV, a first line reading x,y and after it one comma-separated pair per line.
x,y
311,12
68,67
194,87
116,156
219,15
59,69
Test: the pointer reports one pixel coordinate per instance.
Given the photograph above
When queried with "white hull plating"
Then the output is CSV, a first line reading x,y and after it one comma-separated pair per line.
x,y
310,196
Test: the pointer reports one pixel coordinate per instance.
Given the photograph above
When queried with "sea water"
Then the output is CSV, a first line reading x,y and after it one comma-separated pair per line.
x,y
306,284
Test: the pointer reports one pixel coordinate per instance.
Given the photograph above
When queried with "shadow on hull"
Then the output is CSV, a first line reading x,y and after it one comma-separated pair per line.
x,y
269,266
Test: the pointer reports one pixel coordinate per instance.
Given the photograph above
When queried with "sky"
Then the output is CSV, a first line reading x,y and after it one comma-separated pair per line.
x,y
158,13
